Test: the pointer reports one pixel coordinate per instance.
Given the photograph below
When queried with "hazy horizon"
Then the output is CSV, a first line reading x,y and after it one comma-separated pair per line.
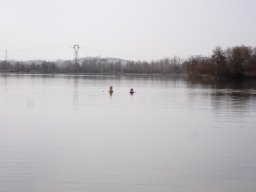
x,y
133,30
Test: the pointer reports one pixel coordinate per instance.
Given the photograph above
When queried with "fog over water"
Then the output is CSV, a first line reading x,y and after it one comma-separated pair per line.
x,y
62,133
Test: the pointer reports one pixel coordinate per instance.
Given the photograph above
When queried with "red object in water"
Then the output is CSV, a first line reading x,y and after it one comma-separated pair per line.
x,y
131,91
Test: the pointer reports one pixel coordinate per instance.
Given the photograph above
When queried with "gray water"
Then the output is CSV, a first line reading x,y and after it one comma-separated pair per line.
x,y
67,134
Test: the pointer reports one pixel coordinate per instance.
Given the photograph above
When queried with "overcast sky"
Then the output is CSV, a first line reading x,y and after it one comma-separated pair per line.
x,y
129,29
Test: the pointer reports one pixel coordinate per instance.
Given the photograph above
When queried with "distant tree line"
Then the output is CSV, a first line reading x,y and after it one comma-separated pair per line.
x,y
96,65
234,62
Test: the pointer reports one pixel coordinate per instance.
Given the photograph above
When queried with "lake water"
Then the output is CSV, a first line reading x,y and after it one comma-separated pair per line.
x,y
67,134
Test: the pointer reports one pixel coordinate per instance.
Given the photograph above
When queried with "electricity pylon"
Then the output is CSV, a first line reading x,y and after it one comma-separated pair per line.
x,y
76,52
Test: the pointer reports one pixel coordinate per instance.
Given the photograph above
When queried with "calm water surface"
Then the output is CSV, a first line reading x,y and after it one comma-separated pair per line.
x,y
67,134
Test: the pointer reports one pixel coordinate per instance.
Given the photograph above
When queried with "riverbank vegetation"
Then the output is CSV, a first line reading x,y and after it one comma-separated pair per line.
x,y
234,62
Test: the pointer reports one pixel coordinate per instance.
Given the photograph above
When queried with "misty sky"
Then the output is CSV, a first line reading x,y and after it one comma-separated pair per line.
x,y
129,29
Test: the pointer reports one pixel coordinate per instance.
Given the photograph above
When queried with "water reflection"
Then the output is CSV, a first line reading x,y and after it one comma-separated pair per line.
x,y
230,101
245,84
4,80
75,92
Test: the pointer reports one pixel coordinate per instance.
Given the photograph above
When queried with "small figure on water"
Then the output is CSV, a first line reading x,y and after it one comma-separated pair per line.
x,y
131,91
110,90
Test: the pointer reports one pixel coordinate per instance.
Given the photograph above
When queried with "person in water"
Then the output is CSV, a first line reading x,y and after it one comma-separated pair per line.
x,y
110,89
131,91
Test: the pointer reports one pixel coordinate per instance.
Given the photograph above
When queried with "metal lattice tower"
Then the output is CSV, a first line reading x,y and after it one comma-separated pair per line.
x,y
76,51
